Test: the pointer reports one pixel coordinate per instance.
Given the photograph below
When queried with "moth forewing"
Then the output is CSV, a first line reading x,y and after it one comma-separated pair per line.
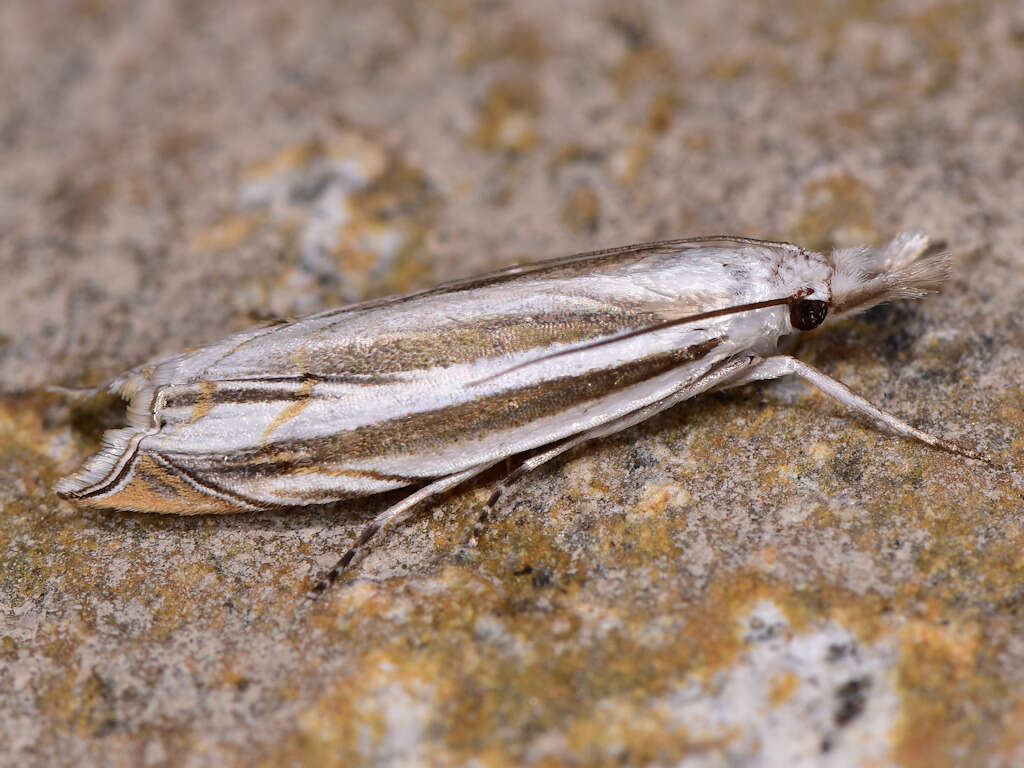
x,y
435,386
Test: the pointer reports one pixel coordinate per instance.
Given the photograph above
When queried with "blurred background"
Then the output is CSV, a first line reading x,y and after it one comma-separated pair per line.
x,y
172,170
738,582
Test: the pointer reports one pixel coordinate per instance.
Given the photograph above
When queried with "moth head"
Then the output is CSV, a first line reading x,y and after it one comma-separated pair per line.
x,y
907,267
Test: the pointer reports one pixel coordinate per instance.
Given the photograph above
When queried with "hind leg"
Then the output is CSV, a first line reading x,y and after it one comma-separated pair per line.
x,y
393,515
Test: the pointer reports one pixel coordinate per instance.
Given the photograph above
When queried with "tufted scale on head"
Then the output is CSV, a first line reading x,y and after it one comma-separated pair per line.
x,y
907,267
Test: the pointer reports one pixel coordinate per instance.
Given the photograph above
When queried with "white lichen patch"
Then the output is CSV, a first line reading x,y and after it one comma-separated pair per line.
x,y
818,697
312,193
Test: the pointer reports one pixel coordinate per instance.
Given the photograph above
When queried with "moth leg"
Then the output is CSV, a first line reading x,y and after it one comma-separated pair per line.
x,y
783,365
717,377
720,375
393,515
530,464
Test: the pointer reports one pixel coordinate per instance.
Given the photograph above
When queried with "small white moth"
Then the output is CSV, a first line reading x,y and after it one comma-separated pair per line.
x,y
435,387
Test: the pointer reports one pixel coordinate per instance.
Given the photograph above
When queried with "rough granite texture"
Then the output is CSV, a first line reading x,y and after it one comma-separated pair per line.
x,y
750,578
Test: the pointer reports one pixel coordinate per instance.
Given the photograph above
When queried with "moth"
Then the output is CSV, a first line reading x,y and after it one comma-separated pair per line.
x,y
435,387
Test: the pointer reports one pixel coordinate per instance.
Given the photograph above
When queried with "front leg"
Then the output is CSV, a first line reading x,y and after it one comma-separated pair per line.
x,y
783,365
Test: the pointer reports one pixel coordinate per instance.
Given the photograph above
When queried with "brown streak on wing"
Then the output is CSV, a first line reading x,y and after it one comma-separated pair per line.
x,y
459,343
236,391
205,400
153,486
302,400
413,350
671,323
420,432
362,474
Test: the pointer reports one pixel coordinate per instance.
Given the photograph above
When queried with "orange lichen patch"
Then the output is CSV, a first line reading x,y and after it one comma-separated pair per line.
x,y
636,733
1012,737
230,675
30,534
726,68
369,717
942,687
398,191
657,499
1009,409
353,145
569,153
520,41
351,218
763,560
937,494
364,597
387,222
288,159
629,538
9,647
71,698
361,156
22,432
634,543
509,115
354,254
854,121
644,66
333,731
497,665
823,23
507,650
79,203
90,713
866,616
783,686
364,244
630,161
226,234
822,452
937,28
698,141
954,554
838,209
662,111
411,269
582,211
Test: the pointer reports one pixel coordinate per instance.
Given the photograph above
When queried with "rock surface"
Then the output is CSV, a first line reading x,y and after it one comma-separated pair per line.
x,y
753,577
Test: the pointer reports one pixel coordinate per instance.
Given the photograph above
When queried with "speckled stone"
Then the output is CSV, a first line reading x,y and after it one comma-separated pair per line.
x,y
750,578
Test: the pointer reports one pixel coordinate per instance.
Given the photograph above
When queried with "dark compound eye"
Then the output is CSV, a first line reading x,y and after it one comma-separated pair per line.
x,y
806,314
